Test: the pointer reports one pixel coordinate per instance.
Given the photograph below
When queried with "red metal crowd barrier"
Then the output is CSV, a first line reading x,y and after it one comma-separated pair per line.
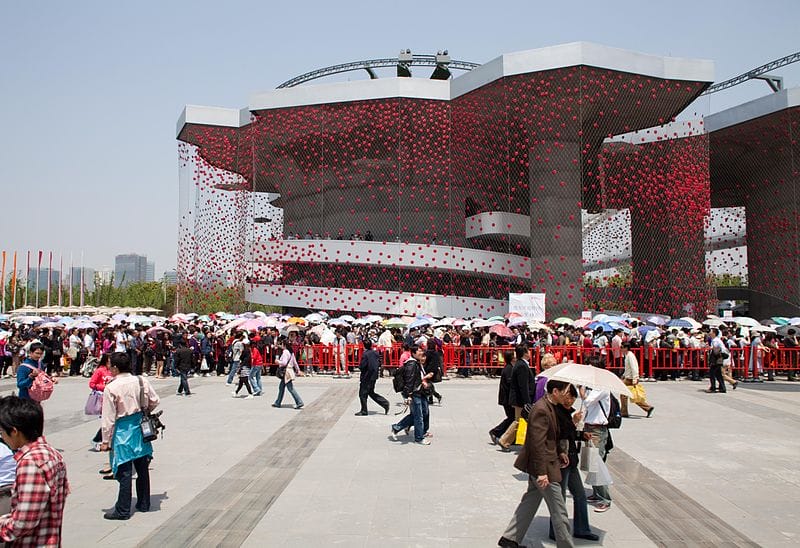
x,y
652,361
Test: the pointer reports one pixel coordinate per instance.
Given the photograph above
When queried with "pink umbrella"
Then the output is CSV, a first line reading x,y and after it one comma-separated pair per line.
x,y
153,331
251,324
583,322
502,331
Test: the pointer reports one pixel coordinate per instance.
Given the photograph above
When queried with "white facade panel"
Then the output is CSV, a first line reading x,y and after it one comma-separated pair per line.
x,y
375,301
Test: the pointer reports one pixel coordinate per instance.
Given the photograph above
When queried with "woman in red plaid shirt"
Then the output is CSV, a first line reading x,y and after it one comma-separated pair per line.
x,y
41,486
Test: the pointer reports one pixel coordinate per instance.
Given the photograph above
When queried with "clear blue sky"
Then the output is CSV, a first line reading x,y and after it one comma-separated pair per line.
x,y
90,91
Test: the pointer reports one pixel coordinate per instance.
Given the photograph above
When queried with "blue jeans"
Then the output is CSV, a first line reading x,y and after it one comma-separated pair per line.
x,y
255,379
232,372
288,385
419,417
183,386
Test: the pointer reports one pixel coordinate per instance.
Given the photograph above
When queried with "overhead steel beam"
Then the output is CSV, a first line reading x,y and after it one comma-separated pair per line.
x,y
758,72
416,60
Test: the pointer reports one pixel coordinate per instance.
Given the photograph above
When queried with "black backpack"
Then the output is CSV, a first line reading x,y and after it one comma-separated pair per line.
x,y
398,379
614,416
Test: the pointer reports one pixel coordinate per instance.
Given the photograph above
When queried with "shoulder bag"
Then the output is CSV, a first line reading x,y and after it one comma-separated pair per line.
x,y
150,424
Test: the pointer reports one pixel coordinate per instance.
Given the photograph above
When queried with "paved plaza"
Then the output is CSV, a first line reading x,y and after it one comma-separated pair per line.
x,y
706,470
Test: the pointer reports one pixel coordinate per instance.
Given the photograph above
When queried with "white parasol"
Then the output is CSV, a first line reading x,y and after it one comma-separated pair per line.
x,y
586,375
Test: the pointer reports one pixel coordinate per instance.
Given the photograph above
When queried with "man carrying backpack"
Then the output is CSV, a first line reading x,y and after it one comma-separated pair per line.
x,y
369,366
416,388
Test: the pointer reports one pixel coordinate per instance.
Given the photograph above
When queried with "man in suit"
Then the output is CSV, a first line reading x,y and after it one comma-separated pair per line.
x,y
521,391
369,366
502,397
542,459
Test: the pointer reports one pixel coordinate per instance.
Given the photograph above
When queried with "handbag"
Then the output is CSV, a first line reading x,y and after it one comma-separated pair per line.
x,y
149,424
72,353
290,374
590,456
203,364
94,403
42,387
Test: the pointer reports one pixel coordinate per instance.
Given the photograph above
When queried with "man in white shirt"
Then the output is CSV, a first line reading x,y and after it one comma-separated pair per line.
x,y
121,339
598,406
630,376
616,347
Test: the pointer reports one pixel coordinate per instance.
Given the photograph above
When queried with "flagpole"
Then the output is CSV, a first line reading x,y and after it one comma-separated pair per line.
x,y
14,284
71,281
82,269
3,284
38,276
60,276
27,278
49,277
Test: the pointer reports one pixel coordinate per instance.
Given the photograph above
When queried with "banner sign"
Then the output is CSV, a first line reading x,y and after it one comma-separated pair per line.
x,y
529,305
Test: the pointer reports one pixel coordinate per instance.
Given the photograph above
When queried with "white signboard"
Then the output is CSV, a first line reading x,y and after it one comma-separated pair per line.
x,y
529,305
727,313
586,315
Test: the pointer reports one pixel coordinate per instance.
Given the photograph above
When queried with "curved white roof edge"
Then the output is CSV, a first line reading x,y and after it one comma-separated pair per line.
x,y
583,53
212,116
763,106
360,90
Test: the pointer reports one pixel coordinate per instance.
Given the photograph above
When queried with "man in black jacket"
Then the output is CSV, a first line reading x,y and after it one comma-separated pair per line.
x,y
416,389
502,397
520,394
369,366
184,361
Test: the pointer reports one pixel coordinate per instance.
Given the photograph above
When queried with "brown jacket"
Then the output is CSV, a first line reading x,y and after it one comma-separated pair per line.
x,y
540,454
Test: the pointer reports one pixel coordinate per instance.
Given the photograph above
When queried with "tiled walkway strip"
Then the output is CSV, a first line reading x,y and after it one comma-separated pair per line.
x,y
663,512
226,511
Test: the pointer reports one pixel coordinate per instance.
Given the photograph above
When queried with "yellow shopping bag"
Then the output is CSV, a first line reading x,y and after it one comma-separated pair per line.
x,y
637,393
522,429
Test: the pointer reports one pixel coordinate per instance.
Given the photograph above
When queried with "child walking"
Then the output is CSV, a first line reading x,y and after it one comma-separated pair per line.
x,y
245,362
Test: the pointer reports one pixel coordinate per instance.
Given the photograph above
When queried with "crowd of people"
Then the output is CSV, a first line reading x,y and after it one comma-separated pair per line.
x,y
118,356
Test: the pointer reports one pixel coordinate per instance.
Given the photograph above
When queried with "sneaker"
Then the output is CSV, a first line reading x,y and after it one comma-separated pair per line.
x,y
234,395
276,405
593,498
650,412
428,434
300,406
424,441
249,397
493,438
179,393
602,507
393,434
227,384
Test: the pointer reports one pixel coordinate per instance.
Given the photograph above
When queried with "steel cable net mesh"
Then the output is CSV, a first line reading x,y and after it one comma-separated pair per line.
x,y
489,193
755,166
214,194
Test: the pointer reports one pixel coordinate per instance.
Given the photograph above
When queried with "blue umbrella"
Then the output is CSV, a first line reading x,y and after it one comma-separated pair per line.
x,y
645,328
656,320
420,322
605,326
677,322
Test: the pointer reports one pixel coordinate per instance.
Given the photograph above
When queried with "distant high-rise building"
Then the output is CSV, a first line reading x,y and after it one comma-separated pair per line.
x,y
88,278
150,275
129,269
104,275
54,276
171,277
